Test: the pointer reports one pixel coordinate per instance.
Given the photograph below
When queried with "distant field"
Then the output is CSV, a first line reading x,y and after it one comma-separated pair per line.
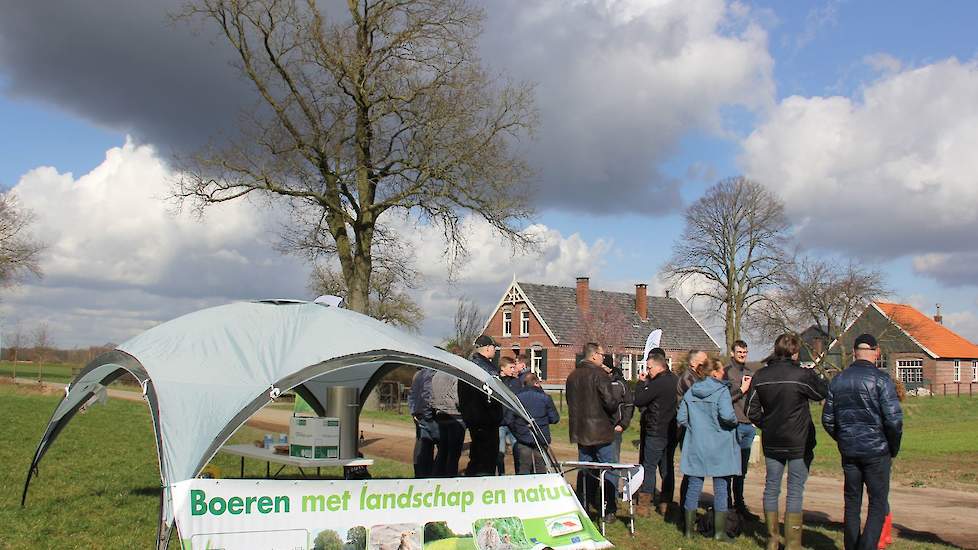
x,y
939,449
50,372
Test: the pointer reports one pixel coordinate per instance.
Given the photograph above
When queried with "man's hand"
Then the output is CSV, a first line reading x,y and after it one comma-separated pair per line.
x,y
643,376
619,429
745,384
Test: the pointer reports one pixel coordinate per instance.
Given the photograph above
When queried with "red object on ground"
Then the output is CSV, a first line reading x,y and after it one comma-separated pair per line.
x,y
886,536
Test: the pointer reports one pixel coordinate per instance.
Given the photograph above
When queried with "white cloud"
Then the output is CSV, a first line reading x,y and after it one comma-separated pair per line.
x,y
889,174
620,83
121,259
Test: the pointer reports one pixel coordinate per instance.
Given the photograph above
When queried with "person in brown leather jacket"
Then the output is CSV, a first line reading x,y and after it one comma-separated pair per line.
x,y
591,408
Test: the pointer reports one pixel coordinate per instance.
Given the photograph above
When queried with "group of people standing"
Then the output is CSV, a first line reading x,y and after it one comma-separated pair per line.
x,y
443,410
712,411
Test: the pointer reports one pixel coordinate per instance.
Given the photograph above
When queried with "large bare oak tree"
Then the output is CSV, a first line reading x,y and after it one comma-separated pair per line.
x,y
378,110
732,248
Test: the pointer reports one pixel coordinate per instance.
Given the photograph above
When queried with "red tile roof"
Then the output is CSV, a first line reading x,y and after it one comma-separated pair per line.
x,y
929,333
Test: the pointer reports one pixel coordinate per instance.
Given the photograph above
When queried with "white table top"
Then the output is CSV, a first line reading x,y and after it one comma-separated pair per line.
x,y
269,455
598,465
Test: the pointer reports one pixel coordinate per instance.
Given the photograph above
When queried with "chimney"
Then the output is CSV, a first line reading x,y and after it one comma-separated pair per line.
x,y
583,295
939,318
642,301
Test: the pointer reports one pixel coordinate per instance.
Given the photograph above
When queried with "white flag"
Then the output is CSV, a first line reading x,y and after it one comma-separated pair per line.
x,y
652,342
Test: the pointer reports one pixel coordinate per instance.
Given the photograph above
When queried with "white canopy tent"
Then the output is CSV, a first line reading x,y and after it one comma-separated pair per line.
x,y
204,374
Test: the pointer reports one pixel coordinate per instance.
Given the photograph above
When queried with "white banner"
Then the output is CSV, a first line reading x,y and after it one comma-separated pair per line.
x,y
482,513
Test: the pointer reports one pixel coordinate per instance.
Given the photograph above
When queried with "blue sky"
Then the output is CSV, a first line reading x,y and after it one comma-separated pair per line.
x,y
806,49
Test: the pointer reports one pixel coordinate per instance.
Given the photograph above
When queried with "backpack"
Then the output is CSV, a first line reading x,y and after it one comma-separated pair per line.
x,y
734,523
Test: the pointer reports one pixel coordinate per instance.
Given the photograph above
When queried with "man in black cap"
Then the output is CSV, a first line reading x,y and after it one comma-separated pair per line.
x,y
862,413
482,415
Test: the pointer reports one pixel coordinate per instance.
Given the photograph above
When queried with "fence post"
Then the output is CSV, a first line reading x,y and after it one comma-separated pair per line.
x,y
959,389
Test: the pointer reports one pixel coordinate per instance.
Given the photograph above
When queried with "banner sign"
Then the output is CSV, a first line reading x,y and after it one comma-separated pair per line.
x,y
529,512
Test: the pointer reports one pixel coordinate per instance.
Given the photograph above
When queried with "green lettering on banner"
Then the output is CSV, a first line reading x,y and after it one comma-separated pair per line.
x,y
235,505
313,503
264,505
249,501
217,506
497,496
198,502
284,502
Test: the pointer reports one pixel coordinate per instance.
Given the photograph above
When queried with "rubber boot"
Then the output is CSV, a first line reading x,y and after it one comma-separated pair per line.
x,y
690,526
792,531
720,527
771,522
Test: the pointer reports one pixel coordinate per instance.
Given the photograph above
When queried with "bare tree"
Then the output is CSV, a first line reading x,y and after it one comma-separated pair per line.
x,y
20,252
733,242
41,344
603,323
385,110
389,300
16,342
468,326
824,294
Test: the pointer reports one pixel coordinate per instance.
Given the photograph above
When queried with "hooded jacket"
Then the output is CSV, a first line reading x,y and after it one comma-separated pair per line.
x,y
777,403
625,398
540,407
862,412
710,444
591,405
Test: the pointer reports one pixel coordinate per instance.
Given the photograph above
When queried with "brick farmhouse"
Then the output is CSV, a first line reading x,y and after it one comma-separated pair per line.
x,y
917,349
550,324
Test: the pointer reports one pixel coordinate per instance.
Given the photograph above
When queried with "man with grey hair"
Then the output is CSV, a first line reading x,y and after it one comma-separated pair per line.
x,y
862,413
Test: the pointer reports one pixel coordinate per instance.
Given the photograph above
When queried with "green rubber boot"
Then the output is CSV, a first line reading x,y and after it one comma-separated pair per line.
x,y
690,523
720,527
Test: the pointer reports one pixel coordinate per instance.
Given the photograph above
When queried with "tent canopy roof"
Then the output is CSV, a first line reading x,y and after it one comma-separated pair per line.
x,y
205,373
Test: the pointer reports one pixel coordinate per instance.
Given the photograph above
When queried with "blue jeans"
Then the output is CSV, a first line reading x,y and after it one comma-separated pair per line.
x,y
654,458
696,488
745,438
587,481
797,476
506,436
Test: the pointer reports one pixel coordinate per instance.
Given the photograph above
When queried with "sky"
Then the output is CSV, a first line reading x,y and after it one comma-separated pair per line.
x,y
860,117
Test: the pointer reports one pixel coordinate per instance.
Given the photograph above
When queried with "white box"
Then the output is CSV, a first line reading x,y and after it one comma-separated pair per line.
x,y
314,437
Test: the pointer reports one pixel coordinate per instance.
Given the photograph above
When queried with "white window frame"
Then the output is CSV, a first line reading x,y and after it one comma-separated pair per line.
x,y
536,357
524,322
914,369
507,323
957,370
974,370
626,366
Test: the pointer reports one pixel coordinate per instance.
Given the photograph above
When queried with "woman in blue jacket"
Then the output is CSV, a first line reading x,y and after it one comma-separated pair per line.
x,y
709,446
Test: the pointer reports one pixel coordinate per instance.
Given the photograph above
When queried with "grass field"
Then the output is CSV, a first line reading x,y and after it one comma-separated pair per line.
x,y
99,484
50,372
939,448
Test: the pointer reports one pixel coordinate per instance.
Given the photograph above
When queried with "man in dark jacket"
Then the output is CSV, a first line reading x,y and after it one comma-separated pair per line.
x,y
625,402
541,409
482,414
655,396
739,375
862,413
591,406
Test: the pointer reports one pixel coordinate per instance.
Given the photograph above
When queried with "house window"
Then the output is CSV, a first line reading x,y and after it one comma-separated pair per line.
x,y
910,371
538,362
957,370
626,366
507,323
974,371
524,323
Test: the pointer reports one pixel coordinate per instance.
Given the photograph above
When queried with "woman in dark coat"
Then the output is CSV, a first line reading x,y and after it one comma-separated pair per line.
x,y
778,404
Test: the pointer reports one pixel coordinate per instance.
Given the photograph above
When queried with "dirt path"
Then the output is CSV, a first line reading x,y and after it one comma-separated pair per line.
x,y
939,514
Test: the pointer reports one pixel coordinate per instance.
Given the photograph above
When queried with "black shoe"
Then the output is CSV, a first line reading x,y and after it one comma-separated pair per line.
x,y
610,518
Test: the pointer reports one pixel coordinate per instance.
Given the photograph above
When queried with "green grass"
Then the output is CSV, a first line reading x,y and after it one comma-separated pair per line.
x,y
939,447
452,543
50,372
99,483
